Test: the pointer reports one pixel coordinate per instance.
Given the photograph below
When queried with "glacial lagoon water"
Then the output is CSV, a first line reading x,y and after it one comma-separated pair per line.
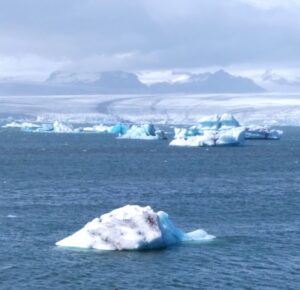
x,y
248,197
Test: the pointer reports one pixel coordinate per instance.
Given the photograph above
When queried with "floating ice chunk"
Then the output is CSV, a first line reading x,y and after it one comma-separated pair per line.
x,y
97,129
227,121
62,128
230,137
261,132
12,216
22,125
45,128
145,132
56,127
131,228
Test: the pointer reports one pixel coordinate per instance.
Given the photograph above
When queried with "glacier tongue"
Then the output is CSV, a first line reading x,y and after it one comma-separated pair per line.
x,y
131,227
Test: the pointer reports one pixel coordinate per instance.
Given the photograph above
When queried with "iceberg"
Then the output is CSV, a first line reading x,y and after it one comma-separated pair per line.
x,y
221,131
144,132
97,129
209,123
56,127
131,227
24,125
231,137
262,132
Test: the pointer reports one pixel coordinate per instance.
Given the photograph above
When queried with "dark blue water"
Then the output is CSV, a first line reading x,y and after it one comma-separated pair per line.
x,y
248,197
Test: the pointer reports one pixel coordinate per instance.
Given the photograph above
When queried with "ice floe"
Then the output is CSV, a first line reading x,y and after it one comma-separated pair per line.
x,y
97,129
22,125
131,227
262,132
145,132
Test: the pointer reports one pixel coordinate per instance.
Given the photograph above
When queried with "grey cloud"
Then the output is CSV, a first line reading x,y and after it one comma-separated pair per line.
x,y
153,34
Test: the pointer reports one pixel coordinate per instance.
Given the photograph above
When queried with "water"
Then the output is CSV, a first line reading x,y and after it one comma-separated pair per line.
x,y
248,197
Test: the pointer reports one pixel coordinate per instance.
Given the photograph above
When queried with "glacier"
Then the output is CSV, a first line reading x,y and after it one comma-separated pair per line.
x,y
144,132
131,227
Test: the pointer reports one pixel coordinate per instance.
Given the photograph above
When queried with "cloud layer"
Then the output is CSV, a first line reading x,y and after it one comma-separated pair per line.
x,y
148,34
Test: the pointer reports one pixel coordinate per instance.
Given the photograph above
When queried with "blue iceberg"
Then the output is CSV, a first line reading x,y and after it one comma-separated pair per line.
x,y
144,132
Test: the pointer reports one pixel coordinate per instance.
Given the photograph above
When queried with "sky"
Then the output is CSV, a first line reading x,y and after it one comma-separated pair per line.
x,y
246,36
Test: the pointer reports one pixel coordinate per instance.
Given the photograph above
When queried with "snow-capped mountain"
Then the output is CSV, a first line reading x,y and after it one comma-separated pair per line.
x,y
120,82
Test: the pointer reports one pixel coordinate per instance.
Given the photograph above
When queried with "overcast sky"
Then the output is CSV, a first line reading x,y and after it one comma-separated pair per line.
x,y
40,36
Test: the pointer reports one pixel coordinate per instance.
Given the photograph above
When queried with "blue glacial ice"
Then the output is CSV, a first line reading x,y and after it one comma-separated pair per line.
x,y
145,132
131,227
119,129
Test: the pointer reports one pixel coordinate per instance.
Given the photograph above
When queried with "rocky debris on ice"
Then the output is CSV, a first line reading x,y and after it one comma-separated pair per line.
x,y
131,227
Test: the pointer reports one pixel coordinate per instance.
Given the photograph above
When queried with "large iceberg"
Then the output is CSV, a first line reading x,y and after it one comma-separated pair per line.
x,y
231,137
131,227
145,132
262,132
221,130
210,123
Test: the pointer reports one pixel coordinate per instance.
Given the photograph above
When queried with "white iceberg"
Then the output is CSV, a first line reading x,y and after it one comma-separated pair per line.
x,y
62,128
56,127
97,129
262,132
144,132
131,227
231,137
22,125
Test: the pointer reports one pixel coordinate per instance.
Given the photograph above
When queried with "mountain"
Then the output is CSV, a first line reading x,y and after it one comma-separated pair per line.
x,y
276,82
218,82
120,82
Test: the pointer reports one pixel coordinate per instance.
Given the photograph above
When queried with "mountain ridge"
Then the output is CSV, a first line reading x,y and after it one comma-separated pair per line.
x,y
122,82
